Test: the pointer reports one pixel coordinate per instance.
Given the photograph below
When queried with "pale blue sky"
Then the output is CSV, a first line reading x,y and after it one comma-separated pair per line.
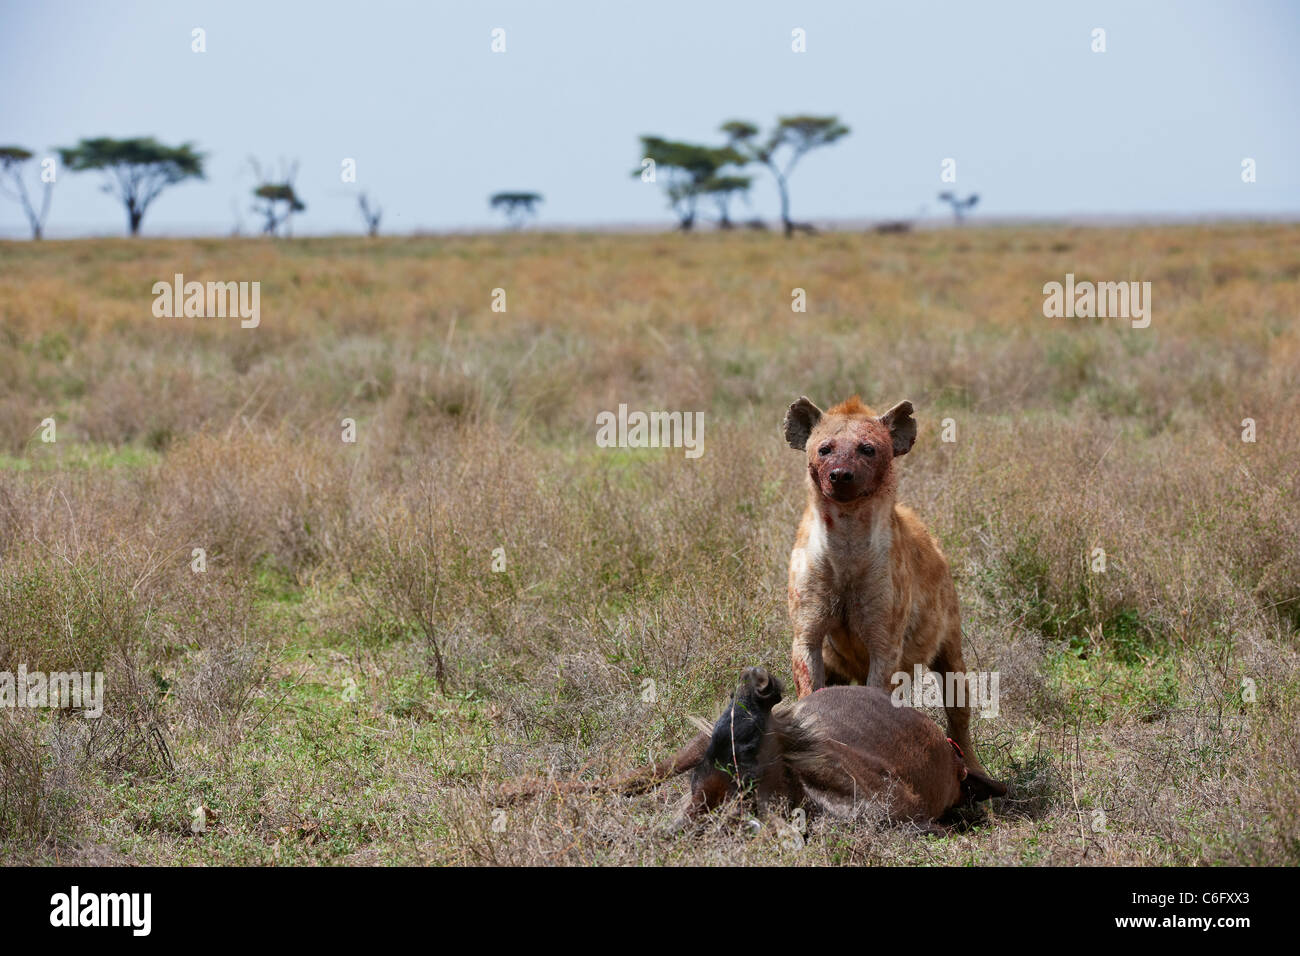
x,y
1039,124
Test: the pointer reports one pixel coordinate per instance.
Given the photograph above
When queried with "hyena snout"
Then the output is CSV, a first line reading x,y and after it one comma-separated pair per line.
x,y
843,478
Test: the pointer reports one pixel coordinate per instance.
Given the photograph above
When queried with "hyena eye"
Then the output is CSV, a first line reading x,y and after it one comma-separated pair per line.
x,y
868,450
825,449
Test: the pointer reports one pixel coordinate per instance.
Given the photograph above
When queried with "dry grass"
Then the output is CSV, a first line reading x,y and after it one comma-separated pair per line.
x,y
349,681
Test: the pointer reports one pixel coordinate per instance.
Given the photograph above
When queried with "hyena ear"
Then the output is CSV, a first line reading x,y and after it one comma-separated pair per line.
x,y
902,427
800,419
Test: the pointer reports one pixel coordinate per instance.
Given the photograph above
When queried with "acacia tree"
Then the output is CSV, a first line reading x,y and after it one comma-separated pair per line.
x,y
276,199
959,206
13,160
371,215
277,202
786,144
518,207
690,171
137,169
722,189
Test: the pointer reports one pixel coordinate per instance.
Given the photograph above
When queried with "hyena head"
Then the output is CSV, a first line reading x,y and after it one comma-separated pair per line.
x,y
850,449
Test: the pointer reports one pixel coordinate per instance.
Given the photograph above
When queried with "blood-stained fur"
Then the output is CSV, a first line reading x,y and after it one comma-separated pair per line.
x,y
869,591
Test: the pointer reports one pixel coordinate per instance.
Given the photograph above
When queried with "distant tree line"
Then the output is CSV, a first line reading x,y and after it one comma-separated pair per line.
x,y
692,172
137,170
693,175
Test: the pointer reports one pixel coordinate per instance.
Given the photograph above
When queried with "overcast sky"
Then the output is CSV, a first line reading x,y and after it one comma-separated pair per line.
x,y
1039,125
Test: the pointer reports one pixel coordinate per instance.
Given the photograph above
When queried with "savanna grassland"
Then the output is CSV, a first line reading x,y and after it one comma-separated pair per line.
x,y
349,681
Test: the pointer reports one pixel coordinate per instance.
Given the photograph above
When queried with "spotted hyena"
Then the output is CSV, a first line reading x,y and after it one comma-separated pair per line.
x,y
870,593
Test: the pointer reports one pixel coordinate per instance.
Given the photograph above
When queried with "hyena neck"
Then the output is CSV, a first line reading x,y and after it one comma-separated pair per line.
x,y
847,528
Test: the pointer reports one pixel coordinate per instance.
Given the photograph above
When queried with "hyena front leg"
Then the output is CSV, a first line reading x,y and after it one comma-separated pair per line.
x,y
808,619
806,661
949,661
885,651
884,663
869,615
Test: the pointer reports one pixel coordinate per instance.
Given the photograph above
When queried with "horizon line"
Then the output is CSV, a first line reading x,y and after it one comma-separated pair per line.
x,y
633,227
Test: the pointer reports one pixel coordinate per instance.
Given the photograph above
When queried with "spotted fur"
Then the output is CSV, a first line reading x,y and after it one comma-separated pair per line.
x,y
869,591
